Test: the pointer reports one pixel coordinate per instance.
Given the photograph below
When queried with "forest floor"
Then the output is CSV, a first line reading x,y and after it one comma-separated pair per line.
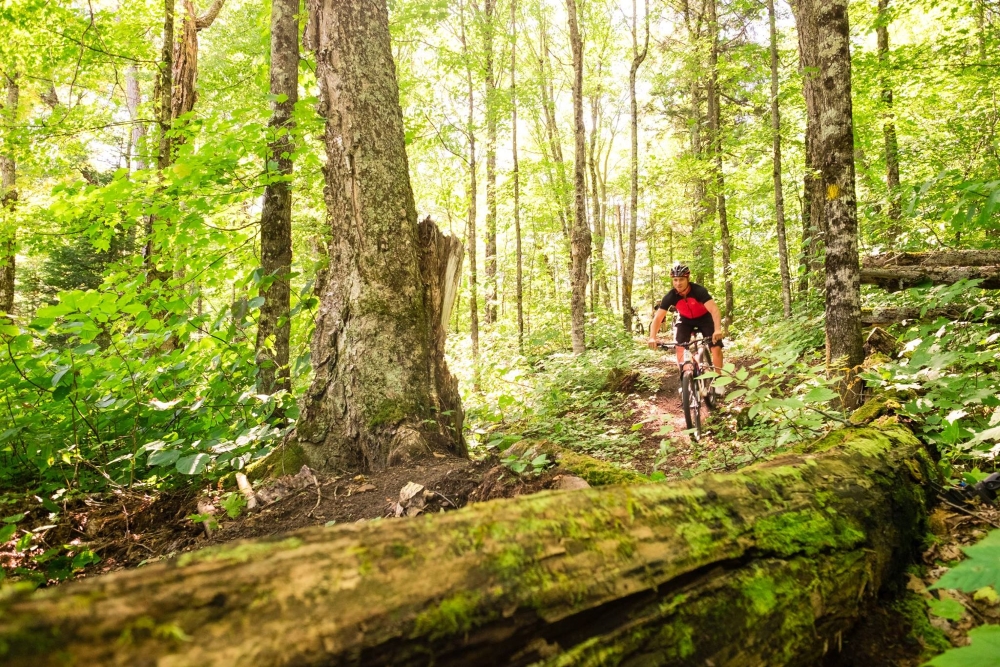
x,y
128,528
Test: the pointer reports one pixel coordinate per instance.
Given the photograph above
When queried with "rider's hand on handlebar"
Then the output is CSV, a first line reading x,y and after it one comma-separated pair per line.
x,y
652,343
717,336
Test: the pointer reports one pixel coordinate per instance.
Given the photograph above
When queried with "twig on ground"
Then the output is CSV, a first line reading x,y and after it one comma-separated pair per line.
x,y
971,513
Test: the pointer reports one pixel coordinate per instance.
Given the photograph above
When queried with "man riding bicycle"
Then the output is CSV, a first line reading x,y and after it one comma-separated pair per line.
x,y
698,312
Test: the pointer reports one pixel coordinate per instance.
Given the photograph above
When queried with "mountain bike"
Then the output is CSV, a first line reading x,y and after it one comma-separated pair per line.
x,y
696,389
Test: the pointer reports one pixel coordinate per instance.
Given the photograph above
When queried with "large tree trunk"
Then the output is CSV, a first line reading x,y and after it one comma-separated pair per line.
x,y
379,397
274,324
715,126
779,197
490,311
766,567
516,176
580,238
8,198
836,135
889,126
628,270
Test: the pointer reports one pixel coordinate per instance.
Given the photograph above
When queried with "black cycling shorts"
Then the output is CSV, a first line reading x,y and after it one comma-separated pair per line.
x,y
703,325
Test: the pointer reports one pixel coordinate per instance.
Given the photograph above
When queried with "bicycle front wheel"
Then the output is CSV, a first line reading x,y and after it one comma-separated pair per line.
x,y
690,404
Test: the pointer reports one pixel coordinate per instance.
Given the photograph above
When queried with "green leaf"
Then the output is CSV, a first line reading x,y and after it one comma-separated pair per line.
x,y
980,569
982,651
947,608
14,518
163,458
192,465
820,395
7,532
255,302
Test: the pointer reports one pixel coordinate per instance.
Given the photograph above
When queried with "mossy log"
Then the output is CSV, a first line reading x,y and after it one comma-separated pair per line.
x,y
767,566
884,316
893,279
933,258
593,470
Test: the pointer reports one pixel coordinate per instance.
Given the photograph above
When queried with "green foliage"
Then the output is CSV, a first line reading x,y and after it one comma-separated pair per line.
x,y
979,570
526,465
982,651
950,369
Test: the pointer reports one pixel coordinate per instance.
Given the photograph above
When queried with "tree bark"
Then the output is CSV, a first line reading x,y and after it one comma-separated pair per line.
x,y
8,198
133,98
766,567
490,310
806,21
185,60
836,146
379,396
164,152
889,126
715,126
473,194
274,324
581,238
516,176
628,270
779,197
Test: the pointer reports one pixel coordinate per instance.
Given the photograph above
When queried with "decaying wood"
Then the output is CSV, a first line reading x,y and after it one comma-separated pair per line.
x,y
768,566
933,258
881,341
895,278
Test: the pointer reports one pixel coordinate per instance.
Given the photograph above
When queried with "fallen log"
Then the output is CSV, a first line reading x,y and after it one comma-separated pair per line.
x,y
768,566
894,279
933,258
884,316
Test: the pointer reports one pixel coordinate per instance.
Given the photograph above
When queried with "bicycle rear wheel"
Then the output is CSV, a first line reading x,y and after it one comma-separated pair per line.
x,y
705,384
691,404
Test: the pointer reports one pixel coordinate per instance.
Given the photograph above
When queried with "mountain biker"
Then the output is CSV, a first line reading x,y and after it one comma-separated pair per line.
x,y
698,311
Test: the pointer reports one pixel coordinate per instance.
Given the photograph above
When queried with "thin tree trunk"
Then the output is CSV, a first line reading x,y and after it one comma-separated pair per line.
x,y
382,394
8,198
843,289
490,310
164,88
806,24
580,239
805,215
715,123
779,198
473,194
515,176
889,126
133,98
628,272
274,324
597,208
552,131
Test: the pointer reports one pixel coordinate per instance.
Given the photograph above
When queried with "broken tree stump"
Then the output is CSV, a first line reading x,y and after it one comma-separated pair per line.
x,y
767,566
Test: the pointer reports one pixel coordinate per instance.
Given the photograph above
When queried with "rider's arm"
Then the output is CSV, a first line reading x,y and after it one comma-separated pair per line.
x,y
654,328
713,308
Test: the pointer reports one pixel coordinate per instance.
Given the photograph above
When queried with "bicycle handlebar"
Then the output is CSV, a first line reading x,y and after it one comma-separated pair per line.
x,y
693,341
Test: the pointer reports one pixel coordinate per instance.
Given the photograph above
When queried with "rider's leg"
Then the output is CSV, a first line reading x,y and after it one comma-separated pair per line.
x,y
682,334
717,357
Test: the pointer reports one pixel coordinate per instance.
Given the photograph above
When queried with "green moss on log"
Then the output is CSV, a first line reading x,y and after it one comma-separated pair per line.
x,y
594,471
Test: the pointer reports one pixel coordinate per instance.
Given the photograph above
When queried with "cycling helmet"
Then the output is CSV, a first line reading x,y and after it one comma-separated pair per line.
x,y
680,270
